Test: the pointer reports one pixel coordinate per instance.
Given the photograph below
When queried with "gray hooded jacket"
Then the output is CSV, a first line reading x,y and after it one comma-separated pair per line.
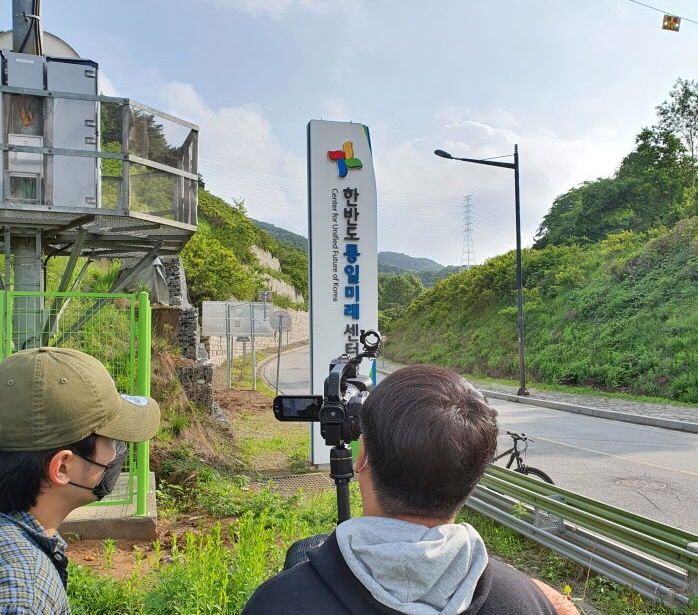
x,y
324,584
411,568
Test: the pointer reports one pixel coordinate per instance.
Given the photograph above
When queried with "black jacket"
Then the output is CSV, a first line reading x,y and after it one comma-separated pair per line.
x,y
325,585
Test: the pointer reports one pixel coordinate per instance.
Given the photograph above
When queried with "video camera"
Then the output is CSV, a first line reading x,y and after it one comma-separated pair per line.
x,y
344,393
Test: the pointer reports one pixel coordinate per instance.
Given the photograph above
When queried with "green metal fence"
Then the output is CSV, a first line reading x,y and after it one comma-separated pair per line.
x,y
112,327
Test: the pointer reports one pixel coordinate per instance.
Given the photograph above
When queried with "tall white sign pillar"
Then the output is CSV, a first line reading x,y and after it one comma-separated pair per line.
x,y
343,250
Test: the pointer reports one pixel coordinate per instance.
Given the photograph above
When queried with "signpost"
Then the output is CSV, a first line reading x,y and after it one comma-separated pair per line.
x,y
244,341
280,322
264,296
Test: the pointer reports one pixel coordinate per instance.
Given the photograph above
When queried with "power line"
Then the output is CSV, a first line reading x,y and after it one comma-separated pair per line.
x,y
654,8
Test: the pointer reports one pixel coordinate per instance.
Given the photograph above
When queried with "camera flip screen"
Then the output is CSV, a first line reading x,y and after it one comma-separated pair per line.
x,y
297,408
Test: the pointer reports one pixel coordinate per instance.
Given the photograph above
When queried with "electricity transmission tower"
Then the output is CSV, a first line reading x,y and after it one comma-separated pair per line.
x,y
467,257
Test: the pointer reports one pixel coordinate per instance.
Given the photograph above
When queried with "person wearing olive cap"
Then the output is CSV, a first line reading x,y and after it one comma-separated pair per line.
x,y
63,434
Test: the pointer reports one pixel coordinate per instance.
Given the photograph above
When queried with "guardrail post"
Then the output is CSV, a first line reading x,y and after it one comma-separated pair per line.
x,y
692,579
548,521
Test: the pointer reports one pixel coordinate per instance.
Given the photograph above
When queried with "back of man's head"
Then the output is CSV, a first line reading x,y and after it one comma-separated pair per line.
x,y
429,436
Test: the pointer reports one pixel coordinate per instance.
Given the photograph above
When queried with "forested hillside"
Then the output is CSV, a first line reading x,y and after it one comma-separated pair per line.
x,y
283,236
610,287
219,261
393,263
408,263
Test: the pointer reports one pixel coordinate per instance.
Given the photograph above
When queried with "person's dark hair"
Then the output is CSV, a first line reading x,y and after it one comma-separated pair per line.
x,y
429,436
22,473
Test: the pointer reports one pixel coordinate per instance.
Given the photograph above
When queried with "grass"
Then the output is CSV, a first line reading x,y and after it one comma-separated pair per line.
x,y
292,449
578,390
584,390
216,570
247,528
618,315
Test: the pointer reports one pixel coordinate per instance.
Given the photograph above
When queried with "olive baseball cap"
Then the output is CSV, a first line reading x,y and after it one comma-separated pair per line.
x,y
53,397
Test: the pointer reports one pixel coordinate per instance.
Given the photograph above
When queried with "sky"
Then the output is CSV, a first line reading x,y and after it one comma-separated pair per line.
x,y
571,82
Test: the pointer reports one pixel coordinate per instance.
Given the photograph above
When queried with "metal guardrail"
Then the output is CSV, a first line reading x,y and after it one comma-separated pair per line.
x,y
654,559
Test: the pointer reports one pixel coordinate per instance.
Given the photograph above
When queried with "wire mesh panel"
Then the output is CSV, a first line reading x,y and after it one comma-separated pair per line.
x,y
106,326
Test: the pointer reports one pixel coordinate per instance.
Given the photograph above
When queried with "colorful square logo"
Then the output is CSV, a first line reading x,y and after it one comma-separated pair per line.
x,y
345,159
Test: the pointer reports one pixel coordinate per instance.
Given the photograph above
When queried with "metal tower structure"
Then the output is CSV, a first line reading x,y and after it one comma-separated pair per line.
x,y
467,258
82,174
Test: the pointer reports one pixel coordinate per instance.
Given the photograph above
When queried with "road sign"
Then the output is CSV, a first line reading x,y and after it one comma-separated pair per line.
x,y
280,321
221,318
213,318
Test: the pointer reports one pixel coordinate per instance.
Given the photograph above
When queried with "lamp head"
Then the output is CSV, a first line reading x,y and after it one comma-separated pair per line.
x,y
442,154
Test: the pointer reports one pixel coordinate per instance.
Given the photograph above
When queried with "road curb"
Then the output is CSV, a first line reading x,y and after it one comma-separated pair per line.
x,y
613,415
260,366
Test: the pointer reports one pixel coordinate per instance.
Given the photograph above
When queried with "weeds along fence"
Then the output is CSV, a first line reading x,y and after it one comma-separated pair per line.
x,y
112,327
656,560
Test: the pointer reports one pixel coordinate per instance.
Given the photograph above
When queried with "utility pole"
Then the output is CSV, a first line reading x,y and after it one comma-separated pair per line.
x,y
467,258
27,31
519,280
26,246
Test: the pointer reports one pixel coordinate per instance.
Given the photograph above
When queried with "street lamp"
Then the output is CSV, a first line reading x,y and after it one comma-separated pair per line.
x,y
519,284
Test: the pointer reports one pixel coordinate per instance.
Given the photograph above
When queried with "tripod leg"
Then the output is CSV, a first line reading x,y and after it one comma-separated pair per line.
x,y
341,471
343,504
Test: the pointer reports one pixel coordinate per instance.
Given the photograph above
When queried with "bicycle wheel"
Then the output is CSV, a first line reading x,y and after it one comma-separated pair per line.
x,y
535,473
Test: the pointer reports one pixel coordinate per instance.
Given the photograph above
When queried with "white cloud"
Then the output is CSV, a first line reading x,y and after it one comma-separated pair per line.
x,y
420,195
336,109
106,87
241,158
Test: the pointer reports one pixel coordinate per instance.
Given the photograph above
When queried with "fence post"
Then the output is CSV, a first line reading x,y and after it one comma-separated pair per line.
x,y
3,333
692,578
143,388
9,306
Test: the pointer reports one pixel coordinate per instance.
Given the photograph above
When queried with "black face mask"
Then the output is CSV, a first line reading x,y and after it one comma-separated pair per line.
x,y
111,471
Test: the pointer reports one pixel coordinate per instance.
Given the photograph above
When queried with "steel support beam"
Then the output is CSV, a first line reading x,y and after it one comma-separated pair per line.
x,y
131,275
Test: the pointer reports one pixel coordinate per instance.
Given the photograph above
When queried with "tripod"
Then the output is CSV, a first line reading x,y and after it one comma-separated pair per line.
x,y
341,471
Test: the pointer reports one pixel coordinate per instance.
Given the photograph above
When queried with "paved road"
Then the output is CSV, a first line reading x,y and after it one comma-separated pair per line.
x,y
648,470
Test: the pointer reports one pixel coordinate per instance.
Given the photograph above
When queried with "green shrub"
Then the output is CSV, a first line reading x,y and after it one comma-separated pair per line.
x,y
617,315
214,273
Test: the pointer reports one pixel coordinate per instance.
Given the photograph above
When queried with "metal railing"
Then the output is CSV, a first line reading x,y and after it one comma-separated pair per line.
x,y
113,327
139,159
656,560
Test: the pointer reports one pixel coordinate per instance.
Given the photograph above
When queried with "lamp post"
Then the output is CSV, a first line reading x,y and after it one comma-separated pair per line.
x,y
519,283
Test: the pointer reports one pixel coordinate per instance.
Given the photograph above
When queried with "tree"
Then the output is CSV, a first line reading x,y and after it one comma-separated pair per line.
x,y
398,290
214,273
650,188
661,164
680,116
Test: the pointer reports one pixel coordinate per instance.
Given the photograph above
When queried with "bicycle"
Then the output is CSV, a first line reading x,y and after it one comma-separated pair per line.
x,y
519,454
